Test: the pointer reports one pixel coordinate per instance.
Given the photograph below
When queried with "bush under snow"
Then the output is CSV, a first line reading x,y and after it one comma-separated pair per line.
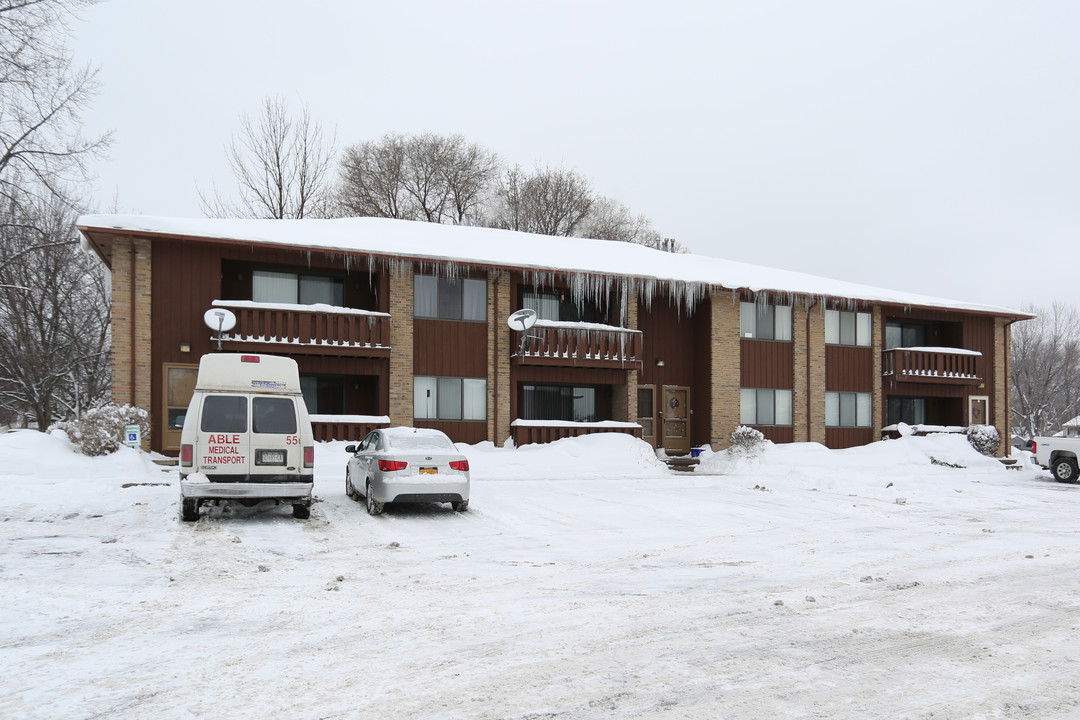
x,y
984,438
101,431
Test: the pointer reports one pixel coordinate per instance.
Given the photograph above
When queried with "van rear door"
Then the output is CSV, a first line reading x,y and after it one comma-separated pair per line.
x,y
224,446
275,436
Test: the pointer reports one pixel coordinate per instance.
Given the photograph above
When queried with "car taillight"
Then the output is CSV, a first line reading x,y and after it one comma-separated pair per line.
x,y
391,465
462,465
186,453
309,456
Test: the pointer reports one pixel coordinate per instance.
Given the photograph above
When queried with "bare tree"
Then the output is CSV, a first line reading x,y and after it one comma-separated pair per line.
x,y
54,314
1045,372
42,95
550,201
429,177
283,167
372,179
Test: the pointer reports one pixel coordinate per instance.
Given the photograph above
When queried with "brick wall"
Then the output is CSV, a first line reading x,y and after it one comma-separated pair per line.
x,y
499,390
1001,385
815,358
800,357
877,326
132,287
401,340
724,358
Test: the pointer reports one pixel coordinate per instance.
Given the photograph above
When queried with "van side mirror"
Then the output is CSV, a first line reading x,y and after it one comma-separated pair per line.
x,y
351,449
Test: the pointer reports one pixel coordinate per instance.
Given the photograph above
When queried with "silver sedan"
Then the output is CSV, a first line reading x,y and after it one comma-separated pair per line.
x,y
405,464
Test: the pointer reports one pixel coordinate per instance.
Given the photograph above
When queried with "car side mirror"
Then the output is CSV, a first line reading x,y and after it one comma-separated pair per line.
x,y
351,449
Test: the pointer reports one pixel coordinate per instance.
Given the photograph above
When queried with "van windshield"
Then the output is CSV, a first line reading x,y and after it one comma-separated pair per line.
x,y
224,413
273,415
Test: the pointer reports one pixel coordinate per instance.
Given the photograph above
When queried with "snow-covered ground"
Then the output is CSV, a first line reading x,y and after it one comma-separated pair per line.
x,y
586,581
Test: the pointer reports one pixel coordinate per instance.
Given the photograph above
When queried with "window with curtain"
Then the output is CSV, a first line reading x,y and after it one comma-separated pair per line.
x,y
847,327
449,398
848,409
450,298
765,406
765,321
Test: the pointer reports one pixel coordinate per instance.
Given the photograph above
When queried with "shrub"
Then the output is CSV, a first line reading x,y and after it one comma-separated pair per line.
x,y
747,440
100,431
984,438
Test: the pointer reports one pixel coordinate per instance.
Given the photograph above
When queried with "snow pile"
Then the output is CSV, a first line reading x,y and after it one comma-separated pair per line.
x,y
914,459
601,455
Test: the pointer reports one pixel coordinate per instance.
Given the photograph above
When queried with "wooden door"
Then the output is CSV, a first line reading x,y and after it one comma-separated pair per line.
x,y
675,412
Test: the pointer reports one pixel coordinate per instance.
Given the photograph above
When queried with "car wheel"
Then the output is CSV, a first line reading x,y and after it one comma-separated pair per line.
x,y
373,507
300,511
461,506
1065,470
349,489
189,509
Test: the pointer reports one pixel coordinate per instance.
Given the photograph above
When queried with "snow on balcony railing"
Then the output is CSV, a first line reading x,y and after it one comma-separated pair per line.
x,y
581,341
525,432
307,325
931,364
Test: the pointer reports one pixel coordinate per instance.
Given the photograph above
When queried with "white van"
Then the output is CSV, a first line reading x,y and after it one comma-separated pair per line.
x,y
247,436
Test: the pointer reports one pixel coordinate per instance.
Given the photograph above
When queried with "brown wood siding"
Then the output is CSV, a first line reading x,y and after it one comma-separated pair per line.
x,y
837,438
458,430
849,369
766,364
449,348
777,433
667,334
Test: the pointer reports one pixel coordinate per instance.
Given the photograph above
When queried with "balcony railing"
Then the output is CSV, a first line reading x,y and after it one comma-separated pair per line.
x,y
583,344
346,427
322,329
931,365
525,432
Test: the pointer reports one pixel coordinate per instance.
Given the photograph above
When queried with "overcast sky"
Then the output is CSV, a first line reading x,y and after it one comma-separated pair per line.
x,y
931,147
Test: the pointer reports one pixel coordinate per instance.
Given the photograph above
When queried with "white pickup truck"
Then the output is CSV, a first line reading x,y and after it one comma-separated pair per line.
x,y
1059,456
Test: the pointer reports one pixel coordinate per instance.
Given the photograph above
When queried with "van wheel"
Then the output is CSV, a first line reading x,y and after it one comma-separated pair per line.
x,y
301,511
373,507
189,509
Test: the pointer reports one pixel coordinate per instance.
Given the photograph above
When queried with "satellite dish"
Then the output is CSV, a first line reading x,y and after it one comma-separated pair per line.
x,y
220,319
522,320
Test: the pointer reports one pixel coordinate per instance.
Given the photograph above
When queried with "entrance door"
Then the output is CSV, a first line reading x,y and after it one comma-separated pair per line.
x,y
675,414
646,410
978,409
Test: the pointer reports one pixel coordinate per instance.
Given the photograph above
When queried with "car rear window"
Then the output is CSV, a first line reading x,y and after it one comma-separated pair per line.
x,y
421,442
273,415
224,413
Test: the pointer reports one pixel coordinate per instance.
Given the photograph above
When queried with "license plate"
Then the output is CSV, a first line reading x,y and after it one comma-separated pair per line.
x,y
270,457
429,471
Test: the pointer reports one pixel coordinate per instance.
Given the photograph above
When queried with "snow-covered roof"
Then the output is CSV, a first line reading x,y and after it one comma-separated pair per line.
x,y
686,274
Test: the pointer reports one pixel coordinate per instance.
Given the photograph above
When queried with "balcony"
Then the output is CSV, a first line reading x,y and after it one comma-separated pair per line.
x,y
952,366
579,344
307,329
352,428
526,432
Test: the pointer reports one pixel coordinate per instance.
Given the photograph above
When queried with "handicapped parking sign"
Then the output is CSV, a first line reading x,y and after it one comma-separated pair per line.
x,y
132,436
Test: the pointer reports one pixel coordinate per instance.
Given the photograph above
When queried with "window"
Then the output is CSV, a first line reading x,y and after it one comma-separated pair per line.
x,y
450,298
273,416
904,335
555,305
446,398
847,327
270,286
765,322
224,413
906,410
848,409
558,402
764,407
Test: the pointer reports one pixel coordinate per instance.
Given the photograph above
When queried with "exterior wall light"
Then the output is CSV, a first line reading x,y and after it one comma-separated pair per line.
x,y
659,362
185,347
